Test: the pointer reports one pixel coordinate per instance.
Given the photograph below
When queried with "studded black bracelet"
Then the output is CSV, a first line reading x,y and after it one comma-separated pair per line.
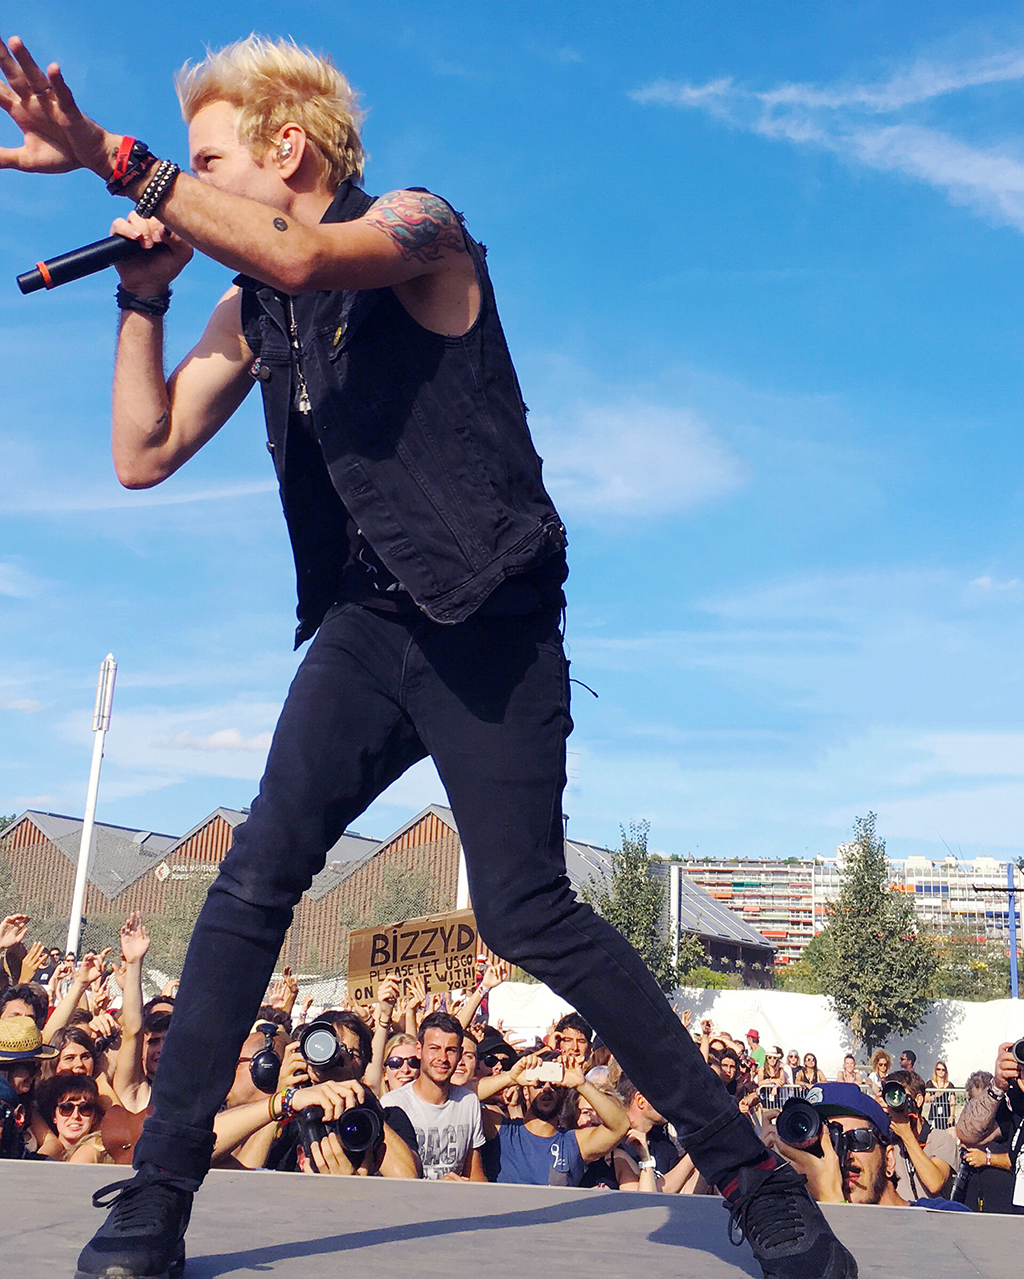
x,y
129,301
164,175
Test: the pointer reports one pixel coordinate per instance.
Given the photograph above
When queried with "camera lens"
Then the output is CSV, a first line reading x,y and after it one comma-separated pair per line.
x,y
1018,1051
895,1096
360,1129
320,1046
798,1124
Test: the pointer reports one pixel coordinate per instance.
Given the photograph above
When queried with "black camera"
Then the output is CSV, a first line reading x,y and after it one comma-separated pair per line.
x,y
799,1124
1018,1051
897,1099
359,1130
321,1046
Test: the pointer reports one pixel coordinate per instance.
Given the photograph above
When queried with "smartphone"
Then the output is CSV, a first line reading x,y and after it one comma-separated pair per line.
x,y
548,1072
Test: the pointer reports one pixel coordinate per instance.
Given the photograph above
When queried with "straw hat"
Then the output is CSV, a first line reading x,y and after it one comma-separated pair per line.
x,y
20,1040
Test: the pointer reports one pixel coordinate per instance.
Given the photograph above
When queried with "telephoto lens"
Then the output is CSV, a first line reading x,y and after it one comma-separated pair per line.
x,y
896,1097
320,1046
1018,1051
360,1129
799,1124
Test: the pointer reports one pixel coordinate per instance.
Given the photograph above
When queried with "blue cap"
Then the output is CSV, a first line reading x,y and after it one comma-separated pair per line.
x,y
847,1099
7,1092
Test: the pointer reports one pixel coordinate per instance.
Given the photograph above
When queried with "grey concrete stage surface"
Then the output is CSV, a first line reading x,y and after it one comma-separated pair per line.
x,y
293,1226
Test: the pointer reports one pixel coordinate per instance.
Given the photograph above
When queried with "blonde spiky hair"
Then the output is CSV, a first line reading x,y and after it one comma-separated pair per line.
x,y
274,82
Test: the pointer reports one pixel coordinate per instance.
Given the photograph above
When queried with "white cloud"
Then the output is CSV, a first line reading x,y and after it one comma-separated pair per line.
x,y
111,497
634,459
16,583
988,583
225,739
28,705
844,118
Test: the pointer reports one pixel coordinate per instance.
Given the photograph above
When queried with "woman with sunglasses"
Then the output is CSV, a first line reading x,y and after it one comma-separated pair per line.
x,y
70,1105
401,1061
792,1065
939,1098
809,1074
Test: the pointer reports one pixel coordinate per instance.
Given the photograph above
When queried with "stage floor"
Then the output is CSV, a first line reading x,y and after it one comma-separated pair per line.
x,y
303,1227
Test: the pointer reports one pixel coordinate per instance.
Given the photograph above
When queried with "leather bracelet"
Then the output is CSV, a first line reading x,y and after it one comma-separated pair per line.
x,y
163,179
133,159
997,1094
128,301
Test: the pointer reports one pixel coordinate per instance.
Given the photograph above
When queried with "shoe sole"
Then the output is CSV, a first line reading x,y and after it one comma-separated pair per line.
x,y
173,1271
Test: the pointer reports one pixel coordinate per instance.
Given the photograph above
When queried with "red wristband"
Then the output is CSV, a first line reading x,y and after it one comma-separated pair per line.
x,y
121,159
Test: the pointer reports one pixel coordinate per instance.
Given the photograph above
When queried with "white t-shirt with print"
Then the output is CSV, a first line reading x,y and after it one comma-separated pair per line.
x,y
445,1134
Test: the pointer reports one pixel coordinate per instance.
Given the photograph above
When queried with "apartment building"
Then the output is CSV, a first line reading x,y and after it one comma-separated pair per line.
x,y
786,900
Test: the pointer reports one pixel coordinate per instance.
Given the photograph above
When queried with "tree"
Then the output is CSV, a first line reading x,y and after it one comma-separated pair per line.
x,y
870,961
632,900
969,968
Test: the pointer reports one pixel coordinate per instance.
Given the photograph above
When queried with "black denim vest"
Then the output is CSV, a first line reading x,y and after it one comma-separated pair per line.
x,y
424,437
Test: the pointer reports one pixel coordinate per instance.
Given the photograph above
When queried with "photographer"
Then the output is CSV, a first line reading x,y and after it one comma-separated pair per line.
x,y
537,1151
327,1062
996,1114
852,1158
926,1156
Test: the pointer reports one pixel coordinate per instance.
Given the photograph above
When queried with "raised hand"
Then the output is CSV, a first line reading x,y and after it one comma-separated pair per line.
x,y
56,136
494,975
35,959
134,939
13,929
91,967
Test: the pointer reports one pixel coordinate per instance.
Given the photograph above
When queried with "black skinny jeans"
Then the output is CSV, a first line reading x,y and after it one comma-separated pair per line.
x,y
489,700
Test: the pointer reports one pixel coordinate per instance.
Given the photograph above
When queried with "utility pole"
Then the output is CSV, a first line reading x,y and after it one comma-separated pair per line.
x,y
1010,892
100,724
1011,887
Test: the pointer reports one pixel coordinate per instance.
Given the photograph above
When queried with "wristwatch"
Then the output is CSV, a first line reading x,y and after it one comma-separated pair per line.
x,y
647,1163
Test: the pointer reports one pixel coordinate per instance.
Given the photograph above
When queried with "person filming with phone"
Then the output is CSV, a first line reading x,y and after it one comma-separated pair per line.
x,y
536,1151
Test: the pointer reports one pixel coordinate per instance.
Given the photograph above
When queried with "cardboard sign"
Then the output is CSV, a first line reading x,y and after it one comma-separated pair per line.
x,y
441,949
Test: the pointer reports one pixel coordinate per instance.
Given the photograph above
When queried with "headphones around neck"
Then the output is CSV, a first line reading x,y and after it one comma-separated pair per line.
x,y
265,1067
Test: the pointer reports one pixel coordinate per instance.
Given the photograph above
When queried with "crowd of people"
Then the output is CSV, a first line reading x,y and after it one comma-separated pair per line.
x,y
421,1085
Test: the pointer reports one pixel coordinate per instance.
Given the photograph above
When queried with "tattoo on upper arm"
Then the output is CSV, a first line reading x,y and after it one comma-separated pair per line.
x,y
422,226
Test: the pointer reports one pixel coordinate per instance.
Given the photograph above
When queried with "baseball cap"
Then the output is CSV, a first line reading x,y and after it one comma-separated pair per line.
x,y
494,1042
832,1100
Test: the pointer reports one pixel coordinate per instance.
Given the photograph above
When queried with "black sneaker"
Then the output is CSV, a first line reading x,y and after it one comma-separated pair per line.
x,y
144,1236
770,1207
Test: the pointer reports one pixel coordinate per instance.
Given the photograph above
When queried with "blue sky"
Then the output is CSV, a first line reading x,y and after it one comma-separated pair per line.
x,y
760,268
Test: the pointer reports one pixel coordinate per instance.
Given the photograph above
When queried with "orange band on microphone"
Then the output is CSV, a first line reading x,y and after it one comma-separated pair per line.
x,y
44,271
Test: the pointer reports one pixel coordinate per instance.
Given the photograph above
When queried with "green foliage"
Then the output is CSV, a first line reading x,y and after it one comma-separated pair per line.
x,y
798,976
870,961
6,819
633,900
966,968
704,978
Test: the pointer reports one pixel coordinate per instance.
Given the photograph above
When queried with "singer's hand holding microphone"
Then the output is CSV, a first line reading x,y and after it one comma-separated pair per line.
x,y
150,274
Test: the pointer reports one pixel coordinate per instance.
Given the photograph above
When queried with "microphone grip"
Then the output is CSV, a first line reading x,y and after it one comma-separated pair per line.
x,y
79,263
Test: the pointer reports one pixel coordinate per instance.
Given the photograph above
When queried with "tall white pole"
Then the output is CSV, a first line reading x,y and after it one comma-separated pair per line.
x,y
100,724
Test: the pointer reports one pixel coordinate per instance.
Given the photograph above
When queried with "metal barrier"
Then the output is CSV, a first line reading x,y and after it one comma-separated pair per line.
x,y
941,1107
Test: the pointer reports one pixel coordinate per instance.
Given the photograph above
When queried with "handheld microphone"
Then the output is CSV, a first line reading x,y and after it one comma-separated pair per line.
x,y
78,263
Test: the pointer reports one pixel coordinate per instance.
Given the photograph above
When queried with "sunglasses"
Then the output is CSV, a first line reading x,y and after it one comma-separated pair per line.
x,y
862,1139
490,1060
396,1063
67,1108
